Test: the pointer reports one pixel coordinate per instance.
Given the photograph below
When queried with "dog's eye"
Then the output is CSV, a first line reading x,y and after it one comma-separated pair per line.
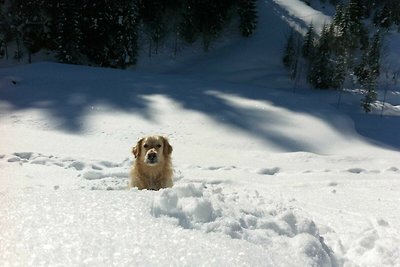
x,y
158,145
146,146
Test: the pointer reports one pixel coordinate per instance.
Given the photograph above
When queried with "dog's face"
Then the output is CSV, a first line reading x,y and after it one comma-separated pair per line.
x,y
152,150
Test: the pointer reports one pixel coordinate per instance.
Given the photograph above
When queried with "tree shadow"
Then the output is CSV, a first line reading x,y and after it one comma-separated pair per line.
x,y
69,93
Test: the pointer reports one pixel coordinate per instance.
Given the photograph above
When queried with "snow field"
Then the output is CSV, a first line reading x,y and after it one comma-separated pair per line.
x,y
92,228
204,203
264,176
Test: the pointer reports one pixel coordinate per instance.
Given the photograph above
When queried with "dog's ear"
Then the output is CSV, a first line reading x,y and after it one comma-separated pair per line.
x,y
167,146
136,149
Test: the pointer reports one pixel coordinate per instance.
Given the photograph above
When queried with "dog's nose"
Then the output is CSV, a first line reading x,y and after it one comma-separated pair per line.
x,y
152,156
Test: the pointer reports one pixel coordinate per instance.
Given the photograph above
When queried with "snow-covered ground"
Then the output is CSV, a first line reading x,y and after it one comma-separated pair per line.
x,y
264,176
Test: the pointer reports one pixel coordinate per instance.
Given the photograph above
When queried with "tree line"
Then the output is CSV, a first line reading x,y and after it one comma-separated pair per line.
x,y
346,51
108,33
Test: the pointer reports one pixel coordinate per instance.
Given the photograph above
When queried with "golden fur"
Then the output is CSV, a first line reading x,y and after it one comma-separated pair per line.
x,y
152,168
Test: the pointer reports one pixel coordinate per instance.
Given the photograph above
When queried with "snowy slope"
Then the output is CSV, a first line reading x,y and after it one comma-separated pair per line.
x,y
264,176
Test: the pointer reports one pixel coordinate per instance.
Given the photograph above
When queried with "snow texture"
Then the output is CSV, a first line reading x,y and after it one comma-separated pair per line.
x,y
264,176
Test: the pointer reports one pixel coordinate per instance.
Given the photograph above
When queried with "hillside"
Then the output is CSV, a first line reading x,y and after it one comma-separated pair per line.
x,y
264,175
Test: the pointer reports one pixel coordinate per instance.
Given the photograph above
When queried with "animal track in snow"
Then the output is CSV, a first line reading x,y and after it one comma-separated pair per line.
x,y
97,175
356,170
212,168
393,169
269,171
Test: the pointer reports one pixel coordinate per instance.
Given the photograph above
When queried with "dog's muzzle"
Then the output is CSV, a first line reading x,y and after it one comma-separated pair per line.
x,y
151,158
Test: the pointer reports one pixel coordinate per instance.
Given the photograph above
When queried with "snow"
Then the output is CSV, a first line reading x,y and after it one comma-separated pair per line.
x,y
264,176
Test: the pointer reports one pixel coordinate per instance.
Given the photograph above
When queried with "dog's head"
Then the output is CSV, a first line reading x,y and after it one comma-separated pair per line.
x,y
152,150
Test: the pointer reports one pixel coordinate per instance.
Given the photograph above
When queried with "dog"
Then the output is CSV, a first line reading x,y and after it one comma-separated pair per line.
x,y
152,169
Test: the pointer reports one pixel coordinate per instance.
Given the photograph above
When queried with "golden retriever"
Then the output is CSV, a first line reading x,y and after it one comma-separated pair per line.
x,y
152,168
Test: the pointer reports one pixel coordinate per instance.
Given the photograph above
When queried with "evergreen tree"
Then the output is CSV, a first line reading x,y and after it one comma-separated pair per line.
x,y
126,27
105,32
211,16
368,71
247,16
188,28
383,17
31,24
308,48
7,32
320,75
94,26
340,68
68,35
152,14
355,26
289,52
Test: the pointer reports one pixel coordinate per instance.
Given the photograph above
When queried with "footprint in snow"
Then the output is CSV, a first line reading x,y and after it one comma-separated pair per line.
x,y
96,175
77,165
108,164
356,170
333,184
24,155
269,171
393,169
212,168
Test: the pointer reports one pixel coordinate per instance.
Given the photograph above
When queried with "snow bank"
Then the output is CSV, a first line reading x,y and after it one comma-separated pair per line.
x,y
246,216
120,228
300,11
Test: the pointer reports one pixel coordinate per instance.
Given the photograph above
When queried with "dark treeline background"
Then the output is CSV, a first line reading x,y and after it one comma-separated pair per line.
x,y
348,51
107,33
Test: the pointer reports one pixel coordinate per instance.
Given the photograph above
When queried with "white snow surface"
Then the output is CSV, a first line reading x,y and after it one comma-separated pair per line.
x,y
264,175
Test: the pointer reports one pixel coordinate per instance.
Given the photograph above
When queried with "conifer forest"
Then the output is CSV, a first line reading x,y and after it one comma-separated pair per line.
x,y
110,34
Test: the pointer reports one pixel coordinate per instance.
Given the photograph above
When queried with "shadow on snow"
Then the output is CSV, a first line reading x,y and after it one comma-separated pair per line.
x,y
68,93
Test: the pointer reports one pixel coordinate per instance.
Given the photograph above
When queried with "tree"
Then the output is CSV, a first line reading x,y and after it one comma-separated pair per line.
x,y
30,24
126,33
105,33
383,17
68,35
247,17
188,28
211,16
152,14
289,51
308,48
320,75
7,32
368,71
355,26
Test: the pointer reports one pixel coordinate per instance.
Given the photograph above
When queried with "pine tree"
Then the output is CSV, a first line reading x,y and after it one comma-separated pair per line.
x,y
7,32
340,68
211,16
27,25
152,14
289,52
126,21
68,35
383,17
320,75
355,26
32,25
188,27
368,71
308,48
247,11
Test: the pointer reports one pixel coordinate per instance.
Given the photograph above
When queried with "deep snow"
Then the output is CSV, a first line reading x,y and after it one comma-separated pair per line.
x,y
264,176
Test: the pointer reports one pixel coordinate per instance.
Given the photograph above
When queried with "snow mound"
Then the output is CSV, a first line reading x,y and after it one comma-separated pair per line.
x,y
243,215
376,246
